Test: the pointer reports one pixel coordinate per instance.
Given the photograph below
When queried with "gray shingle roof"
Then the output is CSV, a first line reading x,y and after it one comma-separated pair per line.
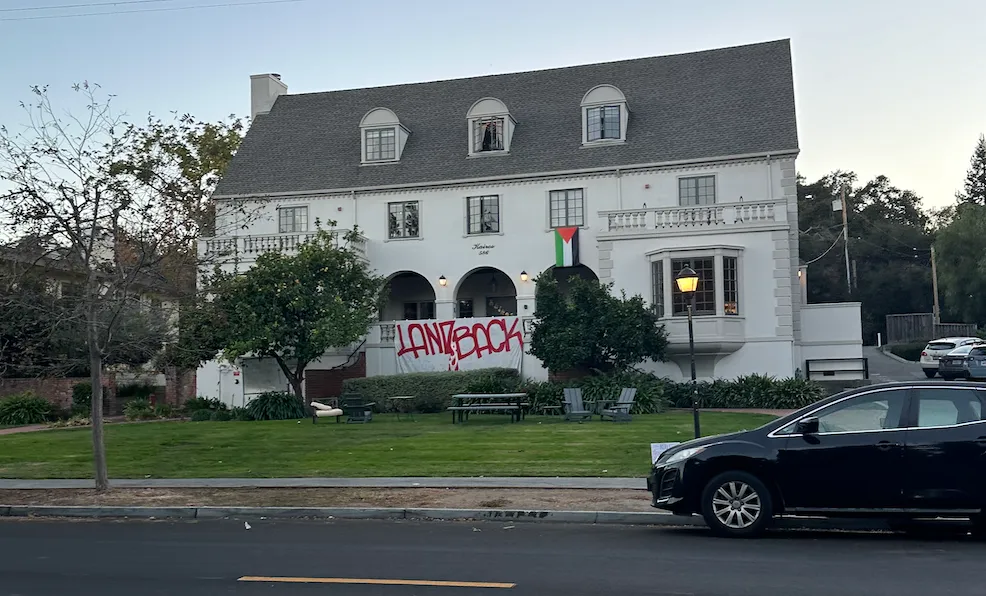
x,y
729,101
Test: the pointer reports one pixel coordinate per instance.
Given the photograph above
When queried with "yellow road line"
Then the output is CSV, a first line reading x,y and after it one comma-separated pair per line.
x,y
376,582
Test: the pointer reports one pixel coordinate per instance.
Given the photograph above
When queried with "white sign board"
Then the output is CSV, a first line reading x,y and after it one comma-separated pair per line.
x,y
459,344
656,449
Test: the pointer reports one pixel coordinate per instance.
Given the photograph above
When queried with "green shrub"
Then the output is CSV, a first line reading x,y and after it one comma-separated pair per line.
x,y
82,398
751,391
241,414
138,409
911,352
221,416
22,409
433,391
276,405
165,411
135,390
203,403
201,415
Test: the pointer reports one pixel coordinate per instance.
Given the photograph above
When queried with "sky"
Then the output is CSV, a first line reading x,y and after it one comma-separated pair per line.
x,y
892,87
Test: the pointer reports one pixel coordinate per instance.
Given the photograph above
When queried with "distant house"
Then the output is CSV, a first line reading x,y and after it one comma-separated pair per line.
x,y
464,190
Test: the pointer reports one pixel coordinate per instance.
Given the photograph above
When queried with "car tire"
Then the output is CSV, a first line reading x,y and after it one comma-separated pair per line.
x,y
737,504
930,373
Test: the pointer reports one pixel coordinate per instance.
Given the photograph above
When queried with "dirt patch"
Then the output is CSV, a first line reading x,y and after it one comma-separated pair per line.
x,y
459,498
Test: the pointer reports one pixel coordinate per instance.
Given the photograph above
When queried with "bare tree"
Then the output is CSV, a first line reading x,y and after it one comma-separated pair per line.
x,y
72,182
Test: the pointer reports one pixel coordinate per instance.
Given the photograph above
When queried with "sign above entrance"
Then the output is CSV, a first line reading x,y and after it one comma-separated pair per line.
x,y
567,247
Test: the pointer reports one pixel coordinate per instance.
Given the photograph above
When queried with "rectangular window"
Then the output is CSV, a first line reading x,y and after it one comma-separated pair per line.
x,y
484,214
381,144
292,219
403,219
465,309
414,311
487,135
730,285
603,123
567,208
657,273
700,190
705,294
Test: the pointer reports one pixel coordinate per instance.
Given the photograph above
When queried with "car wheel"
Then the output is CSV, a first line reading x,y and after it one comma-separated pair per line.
x,y
930,373
737,504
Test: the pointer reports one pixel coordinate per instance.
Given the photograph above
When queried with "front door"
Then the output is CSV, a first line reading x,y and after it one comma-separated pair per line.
x,y
855,461
945,450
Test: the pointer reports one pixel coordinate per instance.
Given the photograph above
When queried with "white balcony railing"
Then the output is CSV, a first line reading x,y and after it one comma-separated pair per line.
x,y
251,247
685,218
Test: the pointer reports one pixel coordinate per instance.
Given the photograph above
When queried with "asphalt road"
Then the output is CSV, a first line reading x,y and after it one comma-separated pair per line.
x,y
884,369
107,558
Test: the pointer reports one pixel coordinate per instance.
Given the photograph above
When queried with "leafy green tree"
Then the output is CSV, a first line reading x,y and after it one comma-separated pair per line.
x,y
961,247
292,308
588,329
974,190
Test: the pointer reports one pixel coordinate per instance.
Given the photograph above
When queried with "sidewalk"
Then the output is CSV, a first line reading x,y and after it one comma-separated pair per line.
x,y
475,482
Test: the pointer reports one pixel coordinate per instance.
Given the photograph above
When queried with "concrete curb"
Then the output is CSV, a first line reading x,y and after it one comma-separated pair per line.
x,y
588,483
892,356
637,518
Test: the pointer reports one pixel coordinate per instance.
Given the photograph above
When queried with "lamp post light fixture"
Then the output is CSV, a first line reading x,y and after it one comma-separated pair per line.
x,y
687,281
523,276
442,281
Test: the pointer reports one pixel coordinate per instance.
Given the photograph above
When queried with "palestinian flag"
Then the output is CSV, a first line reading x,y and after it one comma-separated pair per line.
x,y
567,247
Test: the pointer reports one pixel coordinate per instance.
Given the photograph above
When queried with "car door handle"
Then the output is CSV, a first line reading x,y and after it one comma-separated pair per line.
x,y
886,445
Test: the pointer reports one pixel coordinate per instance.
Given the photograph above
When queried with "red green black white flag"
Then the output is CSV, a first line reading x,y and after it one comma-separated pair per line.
x,y
567,247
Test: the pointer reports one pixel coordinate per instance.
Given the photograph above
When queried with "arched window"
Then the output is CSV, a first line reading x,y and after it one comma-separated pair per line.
x,y
382,137
490,127
604,116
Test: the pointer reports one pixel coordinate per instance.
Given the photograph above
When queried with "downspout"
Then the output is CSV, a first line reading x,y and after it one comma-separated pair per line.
x,y
352,194
770,180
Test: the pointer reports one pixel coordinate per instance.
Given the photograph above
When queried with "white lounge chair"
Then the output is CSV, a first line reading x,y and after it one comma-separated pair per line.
x,y
320,410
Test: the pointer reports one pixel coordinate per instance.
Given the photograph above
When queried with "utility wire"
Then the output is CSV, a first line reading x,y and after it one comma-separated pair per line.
x,y
170,9
84,5
834,244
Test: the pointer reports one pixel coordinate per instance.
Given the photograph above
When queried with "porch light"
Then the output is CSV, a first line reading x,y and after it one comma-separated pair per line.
x,y
523,276
442,281
687,280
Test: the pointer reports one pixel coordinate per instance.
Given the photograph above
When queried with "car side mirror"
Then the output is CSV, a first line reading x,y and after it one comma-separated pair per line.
x,y
807,426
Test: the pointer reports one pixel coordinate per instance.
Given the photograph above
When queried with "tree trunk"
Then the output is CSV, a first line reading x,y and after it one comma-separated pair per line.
x,y
96,378
295,378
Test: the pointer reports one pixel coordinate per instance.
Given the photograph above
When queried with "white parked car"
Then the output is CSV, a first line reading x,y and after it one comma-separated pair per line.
x,y
934,351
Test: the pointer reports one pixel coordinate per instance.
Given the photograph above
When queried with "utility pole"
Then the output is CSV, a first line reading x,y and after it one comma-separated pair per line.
x,y
845,235
934,286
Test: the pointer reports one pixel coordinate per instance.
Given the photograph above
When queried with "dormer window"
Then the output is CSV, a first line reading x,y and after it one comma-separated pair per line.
x,y
382,137
604,116
490,127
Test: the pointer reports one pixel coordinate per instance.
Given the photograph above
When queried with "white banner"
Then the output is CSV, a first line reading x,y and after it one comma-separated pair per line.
x,y
459,344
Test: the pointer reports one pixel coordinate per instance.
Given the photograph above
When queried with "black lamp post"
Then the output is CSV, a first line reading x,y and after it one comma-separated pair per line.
x,y
687,281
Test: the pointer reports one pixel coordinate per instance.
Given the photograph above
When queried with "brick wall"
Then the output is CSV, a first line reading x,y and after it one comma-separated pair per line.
x,y
180,386
321,384
58,392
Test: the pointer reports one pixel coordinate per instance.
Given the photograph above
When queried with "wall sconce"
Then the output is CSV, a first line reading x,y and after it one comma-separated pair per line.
x,y
442,281
523,276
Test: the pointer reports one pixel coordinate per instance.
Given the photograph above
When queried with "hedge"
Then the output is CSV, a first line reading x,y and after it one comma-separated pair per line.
x,y
654,394
433,391
911,352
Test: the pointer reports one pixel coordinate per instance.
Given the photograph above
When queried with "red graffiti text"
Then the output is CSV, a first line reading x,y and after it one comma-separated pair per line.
x,y
488,336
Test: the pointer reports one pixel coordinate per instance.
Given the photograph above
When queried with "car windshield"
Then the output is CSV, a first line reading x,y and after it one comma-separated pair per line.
x,y
940,345
963,351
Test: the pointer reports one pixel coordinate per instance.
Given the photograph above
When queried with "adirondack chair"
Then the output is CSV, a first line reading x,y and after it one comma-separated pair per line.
x,y
620,411
357,411
574,408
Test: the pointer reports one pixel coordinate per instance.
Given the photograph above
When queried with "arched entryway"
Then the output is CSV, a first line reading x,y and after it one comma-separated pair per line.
x,y
410,297
564,275
485,292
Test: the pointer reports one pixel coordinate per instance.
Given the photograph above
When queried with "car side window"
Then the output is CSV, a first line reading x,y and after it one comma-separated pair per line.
x,y
943,406
979,351
875,411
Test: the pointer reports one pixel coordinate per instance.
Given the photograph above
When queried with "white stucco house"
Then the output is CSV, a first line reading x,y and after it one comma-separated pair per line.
x,y
465,190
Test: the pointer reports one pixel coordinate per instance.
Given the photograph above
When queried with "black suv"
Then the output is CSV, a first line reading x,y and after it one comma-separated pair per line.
x,y
895,450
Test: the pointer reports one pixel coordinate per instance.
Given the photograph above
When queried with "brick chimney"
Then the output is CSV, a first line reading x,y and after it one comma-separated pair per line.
x,y
264,89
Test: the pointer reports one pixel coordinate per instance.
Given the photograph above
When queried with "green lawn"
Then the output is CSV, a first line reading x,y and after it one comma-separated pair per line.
x,y
428,446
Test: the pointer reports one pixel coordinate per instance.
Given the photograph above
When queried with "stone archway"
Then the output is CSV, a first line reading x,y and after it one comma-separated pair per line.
x,y
410,297
485,292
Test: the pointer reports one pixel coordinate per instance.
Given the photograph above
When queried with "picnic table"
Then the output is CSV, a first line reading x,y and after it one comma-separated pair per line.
x,y
403,404
464,403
